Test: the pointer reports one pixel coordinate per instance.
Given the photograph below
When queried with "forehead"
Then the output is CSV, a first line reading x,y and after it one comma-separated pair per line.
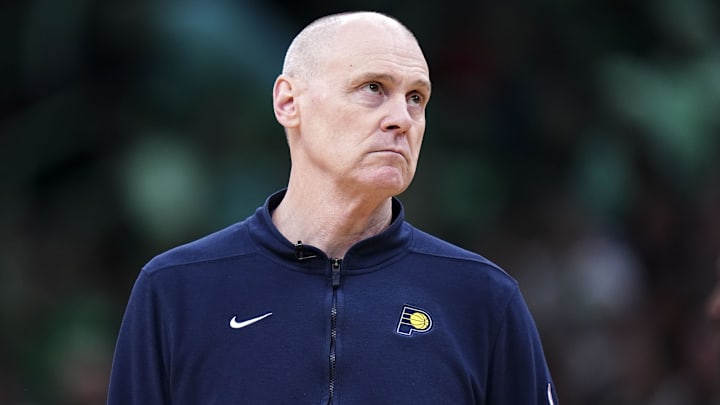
x,y
360,46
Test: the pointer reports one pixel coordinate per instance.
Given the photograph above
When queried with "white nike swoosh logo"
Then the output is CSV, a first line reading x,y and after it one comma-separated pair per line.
x,y
237,325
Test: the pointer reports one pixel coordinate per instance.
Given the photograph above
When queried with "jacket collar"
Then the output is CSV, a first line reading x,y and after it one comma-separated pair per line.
x,y
364,255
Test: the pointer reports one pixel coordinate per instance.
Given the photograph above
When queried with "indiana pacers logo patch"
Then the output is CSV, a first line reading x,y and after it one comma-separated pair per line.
x,y
413,320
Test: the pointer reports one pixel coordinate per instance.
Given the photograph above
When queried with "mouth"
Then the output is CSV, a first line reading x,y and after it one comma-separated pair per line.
x,y
392,151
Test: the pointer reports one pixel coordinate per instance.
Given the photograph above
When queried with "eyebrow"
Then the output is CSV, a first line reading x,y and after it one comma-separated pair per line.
x,y
384,77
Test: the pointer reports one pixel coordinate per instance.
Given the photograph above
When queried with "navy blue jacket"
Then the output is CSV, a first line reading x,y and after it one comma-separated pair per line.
x,y
244,316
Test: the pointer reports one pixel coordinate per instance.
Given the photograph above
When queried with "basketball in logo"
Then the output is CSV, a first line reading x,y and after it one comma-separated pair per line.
x,y
419,321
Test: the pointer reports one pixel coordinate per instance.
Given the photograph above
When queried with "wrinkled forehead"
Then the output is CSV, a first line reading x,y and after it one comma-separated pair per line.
x,y
355,39
367,41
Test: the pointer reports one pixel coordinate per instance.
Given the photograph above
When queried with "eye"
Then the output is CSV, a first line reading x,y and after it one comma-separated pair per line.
x,y
373,88
416,99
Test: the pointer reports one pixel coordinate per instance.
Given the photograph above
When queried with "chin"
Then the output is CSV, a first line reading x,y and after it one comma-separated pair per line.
x,y
388,181
390,187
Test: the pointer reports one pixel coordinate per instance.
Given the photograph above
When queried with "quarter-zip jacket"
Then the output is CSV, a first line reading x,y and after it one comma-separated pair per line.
x,y
244,316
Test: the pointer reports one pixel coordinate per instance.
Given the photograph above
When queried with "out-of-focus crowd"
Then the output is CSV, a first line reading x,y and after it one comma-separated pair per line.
x,y
576,144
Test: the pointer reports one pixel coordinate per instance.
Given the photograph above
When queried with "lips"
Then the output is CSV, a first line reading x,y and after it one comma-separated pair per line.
x,y
395,151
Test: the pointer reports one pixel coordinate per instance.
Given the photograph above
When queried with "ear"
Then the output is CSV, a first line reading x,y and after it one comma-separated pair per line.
x,y
286,111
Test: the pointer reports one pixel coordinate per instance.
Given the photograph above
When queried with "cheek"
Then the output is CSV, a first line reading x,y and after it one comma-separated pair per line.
x,y
416,142
317,122
331,118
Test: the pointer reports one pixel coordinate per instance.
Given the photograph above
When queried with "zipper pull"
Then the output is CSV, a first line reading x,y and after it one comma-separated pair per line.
x,y
335,262
300,252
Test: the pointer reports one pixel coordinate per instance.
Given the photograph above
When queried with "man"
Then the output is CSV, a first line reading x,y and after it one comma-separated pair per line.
x,y
325,295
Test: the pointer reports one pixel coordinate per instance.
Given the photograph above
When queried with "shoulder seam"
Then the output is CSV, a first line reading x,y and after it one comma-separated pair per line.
x,y
152,270
479,259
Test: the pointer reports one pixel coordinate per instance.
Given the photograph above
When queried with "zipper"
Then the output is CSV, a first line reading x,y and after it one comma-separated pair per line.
x,y
335,265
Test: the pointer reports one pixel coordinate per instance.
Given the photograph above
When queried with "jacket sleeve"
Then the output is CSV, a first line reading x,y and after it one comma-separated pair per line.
x,y
519,373
139,372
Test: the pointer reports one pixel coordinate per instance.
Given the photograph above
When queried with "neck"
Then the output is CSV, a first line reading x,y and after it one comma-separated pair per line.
x,y
330,220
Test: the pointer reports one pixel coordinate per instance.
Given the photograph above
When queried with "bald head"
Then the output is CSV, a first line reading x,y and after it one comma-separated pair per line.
x,y
305,53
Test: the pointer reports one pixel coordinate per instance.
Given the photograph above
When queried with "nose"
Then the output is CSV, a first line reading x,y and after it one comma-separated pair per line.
x,y
397,117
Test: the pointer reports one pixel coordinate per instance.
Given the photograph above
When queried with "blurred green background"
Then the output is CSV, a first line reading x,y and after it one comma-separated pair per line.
x,y
575,143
